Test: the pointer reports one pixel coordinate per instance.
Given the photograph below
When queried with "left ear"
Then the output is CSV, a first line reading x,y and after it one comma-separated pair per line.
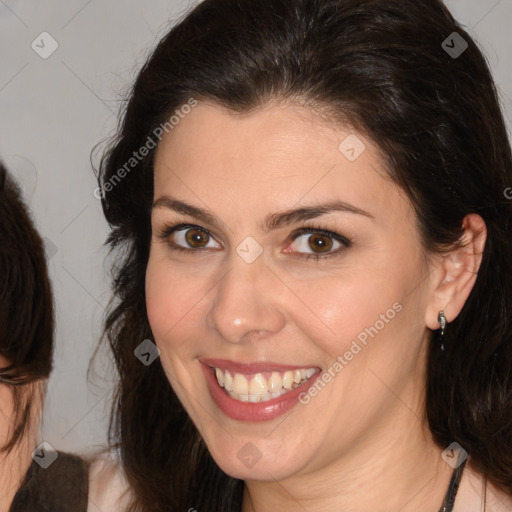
x,y
455,273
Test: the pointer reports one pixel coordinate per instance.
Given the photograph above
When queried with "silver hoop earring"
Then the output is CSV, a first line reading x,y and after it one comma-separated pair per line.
x,y
441,318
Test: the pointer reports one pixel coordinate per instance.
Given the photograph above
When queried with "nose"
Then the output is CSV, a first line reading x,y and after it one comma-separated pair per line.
x,y
246,304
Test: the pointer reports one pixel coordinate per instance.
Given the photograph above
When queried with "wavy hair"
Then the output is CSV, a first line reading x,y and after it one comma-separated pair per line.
x,y
26,309
383,70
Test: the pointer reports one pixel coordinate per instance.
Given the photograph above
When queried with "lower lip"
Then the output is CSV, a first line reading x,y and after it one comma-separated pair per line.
x,y
250,411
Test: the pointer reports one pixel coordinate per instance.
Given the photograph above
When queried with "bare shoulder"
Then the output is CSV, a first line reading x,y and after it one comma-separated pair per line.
x,y
108,487
497,500
476,495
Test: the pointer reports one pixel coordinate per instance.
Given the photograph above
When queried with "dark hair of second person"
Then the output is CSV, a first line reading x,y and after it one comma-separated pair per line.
x,y
26,305
26,360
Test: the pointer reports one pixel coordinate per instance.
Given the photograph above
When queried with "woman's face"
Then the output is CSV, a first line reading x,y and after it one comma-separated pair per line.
x,y
246,295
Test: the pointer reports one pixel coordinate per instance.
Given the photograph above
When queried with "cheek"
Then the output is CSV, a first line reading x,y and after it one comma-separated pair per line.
x,y
338,309
169,302
157,301
174,302
165,303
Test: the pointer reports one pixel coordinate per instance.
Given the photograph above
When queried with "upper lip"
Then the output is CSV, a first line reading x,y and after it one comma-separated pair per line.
x,y
250,368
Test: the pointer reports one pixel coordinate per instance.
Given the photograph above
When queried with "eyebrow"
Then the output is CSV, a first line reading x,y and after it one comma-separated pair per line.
x,y
272,221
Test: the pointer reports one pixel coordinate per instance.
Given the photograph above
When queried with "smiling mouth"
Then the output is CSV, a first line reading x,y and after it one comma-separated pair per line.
x,y
261,387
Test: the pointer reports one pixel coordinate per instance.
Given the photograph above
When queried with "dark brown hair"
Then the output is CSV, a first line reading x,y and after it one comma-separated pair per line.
x,y
26,308
380,67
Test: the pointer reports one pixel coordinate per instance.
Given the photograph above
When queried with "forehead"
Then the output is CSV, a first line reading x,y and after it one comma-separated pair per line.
x,y
276,155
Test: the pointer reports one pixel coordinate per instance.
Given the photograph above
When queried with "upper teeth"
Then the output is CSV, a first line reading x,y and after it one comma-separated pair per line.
x,y
260,388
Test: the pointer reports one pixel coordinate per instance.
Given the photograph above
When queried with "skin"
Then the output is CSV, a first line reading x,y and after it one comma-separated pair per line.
x,y
13,465
361,443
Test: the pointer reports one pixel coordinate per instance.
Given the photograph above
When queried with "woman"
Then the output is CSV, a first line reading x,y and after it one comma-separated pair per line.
x,y
307,197
33,476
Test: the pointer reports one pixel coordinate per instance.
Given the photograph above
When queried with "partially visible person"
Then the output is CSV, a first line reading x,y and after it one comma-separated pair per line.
x,y
26,357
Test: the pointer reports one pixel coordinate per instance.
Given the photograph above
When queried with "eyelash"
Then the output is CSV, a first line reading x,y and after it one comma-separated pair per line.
x,y
169,229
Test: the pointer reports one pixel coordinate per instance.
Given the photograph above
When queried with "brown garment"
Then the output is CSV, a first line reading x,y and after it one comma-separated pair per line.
x,y
61,487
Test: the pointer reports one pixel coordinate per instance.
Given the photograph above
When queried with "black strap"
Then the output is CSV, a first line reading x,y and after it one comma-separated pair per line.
x,y
62,487
451,493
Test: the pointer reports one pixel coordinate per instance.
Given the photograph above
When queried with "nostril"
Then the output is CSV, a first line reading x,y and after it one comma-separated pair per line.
x,y
253,336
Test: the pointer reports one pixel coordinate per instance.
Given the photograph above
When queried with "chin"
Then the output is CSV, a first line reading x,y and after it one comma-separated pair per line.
x,y
256,459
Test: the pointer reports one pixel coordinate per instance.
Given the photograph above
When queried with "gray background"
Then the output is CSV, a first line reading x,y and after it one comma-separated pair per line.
x,y
52,113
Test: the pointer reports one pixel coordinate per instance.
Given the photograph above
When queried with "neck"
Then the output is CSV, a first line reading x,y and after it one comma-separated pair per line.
x,y
397,467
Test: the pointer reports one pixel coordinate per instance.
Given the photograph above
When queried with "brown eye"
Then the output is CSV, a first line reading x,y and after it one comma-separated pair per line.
x,y
197,238
186,237
319,242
